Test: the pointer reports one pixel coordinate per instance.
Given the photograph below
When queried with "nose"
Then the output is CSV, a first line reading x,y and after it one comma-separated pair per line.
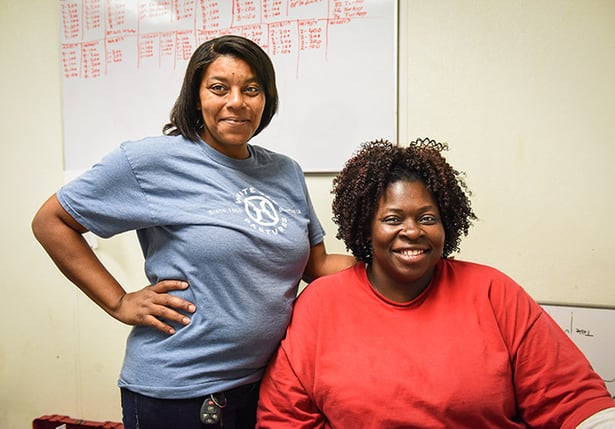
x,y
411,230
235,98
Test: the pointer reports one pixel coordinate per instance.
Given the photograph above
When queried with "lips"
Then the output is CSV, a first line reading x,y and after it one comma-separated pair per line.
x,y
235,121
410,252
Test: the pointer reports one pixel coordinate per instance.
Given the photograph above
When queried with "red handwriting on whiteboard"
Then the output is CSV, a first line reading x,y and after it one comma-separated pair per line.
x,y
98,36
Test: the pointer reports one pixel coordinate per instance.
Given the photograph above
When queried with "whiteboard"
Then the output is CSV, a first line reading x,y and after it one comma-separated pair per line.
x,y
593,331
336,67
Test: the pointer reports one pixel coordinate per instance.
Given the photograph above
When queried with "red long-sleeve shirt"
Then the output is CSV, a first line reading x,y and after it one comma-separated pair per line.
x,y
472,351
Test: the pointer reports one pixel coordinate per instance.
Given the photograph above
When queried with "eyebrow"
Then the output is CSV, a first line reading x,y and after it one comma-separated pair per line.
x,y
225,79
420,209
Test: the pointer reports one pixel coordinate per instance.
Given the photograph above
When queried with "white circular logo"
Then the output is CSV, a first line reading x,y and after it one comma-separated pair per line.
x,y
261,210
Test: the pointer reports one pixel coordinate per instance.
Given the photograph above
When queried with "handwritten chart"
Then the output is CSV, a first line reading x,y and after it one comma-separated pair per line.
x,y
593,331
123,63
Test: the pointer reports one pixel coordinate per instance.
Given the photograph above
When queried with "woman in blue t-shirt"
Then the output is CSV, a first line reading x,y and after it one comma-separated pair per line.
x,y
227,230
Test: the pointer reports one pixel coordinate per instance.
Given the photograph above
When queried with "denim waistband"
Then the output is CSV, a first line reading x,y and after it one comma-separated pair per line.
x,y
239,392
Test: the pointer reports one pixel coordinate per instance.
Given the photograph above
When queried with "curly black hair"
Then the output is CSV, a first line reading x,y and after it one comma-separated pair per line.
x,y
365,177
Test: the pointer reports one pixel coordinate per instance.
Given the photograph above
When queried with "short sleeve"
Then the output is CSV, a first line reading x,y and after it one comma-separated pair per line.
x,y
107,199
316,231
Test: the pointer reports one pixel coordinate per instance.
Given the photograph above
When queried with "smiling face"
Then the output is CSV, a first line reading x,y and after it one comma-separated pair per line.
x,y
407,239
232,104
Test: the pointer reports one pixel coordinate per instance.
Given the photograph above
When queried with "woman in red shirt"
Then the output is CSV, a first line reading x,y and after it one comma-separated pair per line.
x,y
409,337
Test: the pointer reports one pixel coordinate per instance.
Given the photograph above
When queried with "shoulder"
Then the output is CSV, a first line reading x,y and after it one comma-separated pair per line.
x,y
469,267
326,290
482,281
474,272
156,144
324,300
160,155
266,156
491,294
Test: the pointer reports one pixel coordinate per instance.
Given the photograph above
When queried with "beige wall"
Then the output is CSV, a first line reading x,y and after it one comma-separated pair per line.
x,y
522,91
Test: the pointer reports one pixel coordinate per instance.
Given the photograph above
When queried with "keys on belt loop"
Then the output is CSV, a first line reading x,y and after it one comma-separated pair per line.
x,y
211,410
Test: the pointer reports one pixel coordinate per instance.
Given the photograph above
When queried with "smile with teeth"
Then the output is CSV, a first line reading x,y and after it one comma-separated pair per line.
x,y
411,252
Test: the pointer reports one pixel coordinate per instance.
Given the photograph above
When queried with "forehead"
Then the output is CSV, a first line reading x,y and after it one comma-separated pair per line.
x,y
226,66
404,193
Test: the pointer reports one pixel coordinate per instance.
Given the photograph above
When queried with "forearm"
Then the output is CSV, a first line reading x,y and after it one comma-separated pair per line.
x,y
321,263
336,262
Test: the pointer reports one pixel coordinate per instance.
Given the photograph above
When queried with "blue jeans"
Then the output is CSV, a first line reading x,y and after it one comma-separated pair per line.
x,y
144,412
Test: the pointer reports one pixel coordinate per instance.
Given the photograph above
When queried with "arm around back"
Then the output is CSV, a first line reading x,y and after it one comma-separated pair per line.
x,y
322,263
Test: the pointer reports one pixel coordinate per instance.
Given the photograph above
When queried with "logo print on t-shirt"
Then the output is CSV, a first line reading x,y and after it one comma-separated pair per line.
x,y
263,213
261,210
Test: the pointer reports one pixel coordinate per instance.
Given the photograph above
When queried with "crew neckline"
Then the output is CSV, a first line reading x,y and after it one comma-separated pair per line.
x,y
415,302
226,160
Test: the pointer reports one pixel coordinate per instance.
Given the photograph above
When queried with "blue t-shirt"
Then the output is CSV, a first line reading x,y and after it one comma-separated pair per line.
x,y
239,231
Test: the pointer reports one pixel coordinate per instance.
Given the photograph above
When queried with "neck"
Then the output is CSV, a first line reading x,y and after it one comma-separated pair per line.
x,y
397,291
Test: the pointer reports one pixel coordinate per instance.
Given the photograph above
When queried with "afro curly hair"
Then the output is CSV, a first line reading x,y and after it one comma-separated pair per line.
x,y
365,177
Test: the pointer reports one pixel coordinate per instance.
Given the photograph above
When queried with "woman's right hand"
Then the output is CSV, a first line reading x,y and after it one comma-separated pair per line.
x,y
152,305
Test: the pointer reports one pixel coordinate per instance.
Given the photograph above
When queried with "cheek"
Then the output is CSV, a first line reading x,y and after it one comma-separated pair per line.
x,y
441,238
259,105
207,106
200,103
201,95
382,237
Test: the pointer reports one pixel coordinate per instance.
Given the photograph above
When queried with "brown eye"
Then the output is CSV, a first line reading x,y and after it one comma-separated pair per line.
x,y
253,90
429,220
391,220
217,88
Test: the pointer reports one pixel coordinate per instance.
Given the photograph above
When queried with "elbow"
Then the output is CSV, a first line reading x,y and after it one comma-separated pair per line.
x,y
37,226
47,222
